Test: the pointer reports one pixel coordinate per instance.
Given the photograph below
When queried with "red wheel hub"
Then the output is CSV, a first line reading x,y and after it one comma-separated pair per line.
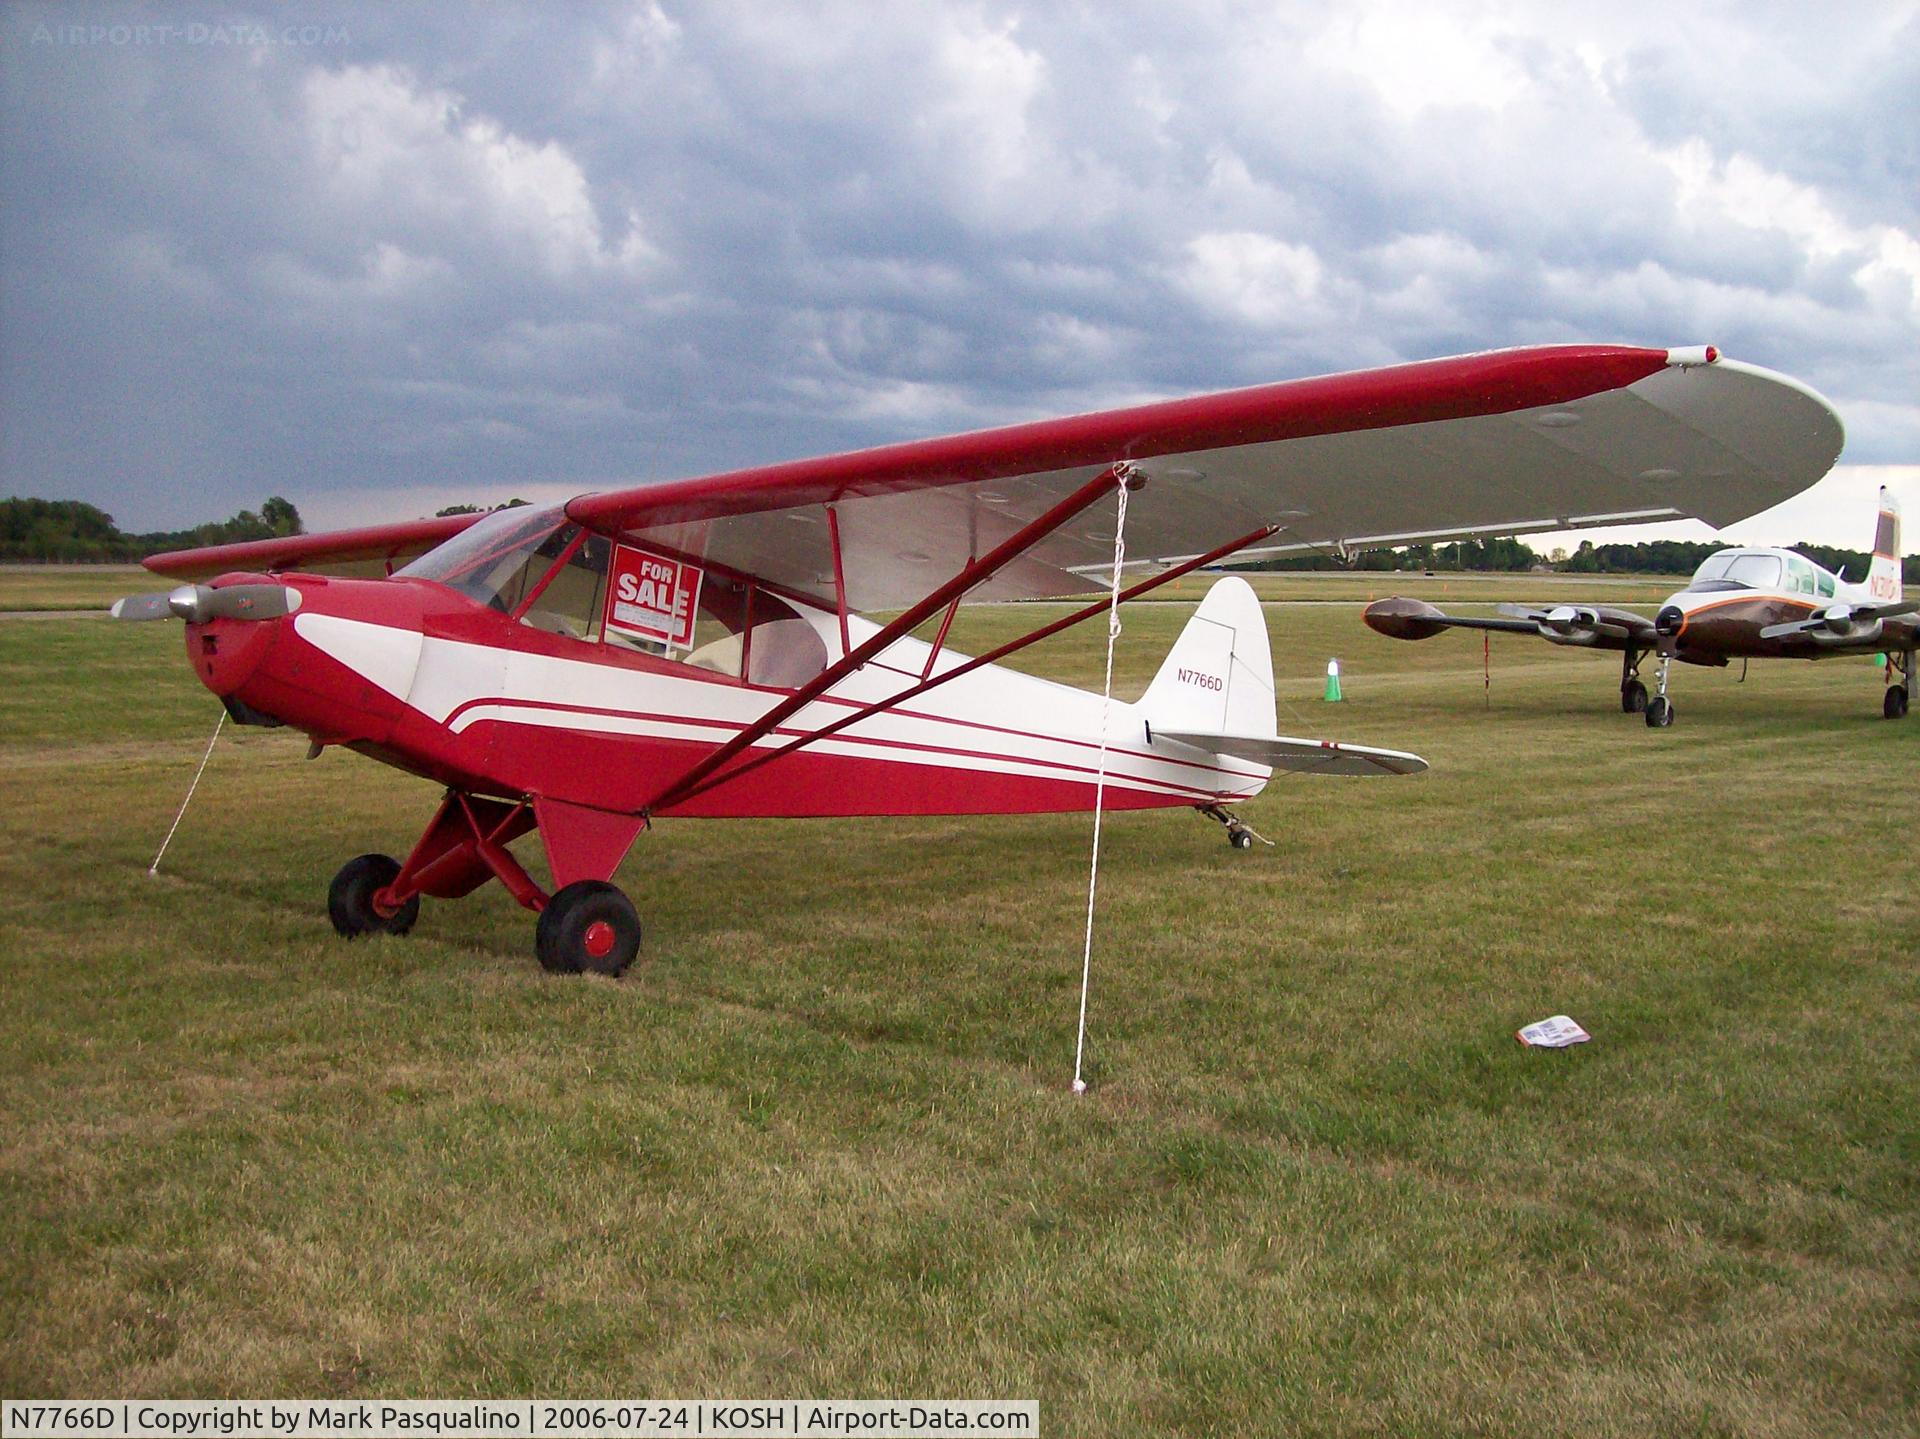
x,y
599,939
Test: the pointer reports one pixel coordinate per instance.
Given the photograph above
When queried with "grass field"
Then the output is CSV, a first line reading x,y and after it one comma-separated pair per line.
x,y
72,587
820,1141
69,587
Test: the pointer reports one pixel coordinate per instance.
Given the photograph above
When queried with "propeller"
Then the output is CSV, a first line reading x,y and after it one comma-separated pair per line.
x,y
196,604
1568,623
1857,624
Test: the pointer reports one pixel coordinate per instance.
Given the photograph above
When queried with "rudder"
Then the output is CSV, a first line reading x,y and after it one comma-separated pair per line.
x,y
1218,677
1883,570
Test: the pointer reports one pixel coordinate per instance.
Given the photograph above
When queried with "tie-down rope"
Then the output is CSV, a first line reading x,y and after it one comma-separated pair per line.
x,y
154,868
1125,473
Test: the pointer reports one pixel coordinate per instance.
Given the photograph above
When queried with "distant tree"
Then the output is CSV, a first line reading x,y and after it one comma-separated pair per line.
x,y
477,509
281,517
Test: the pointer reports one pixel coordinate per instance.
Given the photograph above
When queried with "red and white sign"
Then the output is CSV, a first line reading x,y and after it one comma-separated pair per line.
x,y
654,596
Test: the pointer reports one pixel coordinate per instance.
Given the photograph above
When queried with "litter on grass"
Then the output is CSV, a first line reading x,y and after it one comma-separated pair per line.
x,y
1555,1033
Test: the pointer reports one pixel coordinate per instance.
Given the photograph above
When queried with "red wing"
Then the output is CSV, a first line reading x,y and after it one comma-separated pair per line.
x,y
375,550
1510,442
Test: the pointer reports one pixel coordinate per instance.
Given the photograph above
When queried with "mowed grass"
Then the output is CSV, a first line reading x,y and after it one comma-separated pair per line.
x,y
820,1142
72,587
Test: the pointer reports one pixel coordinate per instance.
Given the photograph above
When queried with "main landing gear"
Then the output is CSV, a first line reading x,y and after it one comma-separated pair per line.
x,y
1633,694
590,925
350,898
1899,682
1240,834
586,925
1660,708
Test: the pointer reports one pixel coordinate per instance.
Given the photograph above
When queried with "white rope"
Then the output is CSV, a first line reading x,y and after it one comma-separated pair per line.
x,y
154,868
1125,474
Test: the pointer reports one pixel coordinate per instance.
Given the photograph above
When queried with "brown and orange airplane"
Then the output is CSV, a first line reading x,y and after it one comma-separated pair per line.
x,y
1744,603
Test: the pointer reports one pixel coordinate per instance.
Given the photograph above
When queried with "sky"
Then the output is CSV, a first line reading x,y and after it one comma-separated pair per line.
x,y
384,258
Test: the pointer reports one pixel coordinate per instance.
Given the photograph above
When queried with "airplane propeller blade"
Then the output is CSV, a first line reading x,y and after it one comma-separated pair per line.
x,y
197,604
141,607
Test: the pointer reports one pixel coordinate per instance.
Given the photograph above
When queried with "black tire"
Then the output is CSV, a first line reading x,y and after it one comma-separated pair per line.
x,y
1240,839
1659,712
1895,704
1633,698
350,898
590,925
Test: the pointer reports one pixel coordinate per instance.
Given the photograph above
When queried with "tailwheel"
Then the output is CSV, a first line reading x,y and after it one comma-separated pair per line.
x,y
1240,834
1633,698
350,898
590,925
1895,704
1659,712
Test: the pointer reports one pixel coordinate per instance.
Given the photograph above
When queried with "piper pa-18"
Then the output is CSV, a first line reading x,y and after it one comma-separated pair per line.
x,y
1746,603
697,647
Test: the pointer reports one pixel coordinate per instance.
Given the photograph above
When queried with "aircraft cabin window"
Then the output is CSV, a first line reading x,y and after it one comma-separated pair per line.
x,y
570,602
1825,582
1799,575
781,649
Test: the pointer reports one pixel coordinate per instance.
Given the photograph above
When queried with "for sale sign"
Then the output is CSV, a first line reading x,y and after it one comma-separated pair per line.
x,y
653,596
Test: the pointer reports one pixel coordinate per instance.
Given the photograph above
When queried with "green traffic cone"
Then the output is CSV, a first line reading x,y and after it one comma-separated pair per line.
x,y
1333,681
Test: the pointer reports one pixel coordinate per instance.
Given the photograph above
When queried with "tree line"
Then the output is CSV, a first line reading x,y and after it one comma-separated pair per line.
x,y
71,531
1648,557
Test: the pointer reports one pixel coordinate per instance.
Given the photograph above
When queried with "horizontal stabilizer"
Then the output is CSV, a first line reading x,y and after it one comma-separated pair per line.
x,y
1305,756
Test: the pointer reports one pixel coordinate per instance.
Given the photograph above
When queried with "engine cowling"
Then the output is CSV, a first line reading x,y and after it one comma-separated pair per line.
x,y
1405,619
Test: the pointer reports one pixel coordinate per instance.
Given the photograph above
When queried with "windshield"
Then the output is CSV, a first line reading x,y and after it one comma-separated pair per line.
x,y
488,561
1714,567
1737,570
1762,572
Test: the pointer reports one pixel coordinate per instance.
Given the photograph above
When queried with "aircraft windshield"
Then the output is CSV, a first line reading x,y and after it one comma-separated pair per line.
x,y
1714,567
488,561
1737,569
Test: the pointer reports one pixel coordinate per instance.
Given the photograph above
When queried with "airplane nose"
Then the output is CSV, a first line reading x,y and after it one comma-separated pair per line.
x,y
1669,621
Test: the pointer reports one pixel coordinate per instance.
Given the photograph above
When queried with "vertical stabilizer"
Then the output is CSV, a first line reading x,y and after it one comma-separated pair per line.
x,y
1883,572
1218,678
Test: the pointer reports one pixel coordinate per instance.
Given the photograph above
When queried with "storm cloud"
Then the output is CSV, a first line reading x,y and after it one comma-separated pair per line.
x,y
381,259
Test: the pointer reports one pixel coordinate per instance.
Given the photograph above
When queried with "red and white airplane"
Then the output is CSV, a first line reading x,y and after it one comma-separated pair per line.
x,y
697,647
1752,603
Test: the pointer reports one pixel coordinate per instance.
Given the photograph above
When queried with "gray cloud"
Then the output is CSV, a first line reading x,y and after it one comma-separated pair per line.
x,y
381,258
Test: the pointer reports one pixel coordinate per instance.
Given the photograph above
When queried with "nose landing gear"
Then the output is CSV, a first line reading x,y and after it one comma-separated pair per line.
x,y
1660,708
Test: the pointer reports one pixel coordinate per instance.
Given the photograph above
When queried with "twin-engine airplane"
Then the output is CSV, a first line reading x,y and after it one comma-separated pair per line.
x,y
1740,604
697,647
